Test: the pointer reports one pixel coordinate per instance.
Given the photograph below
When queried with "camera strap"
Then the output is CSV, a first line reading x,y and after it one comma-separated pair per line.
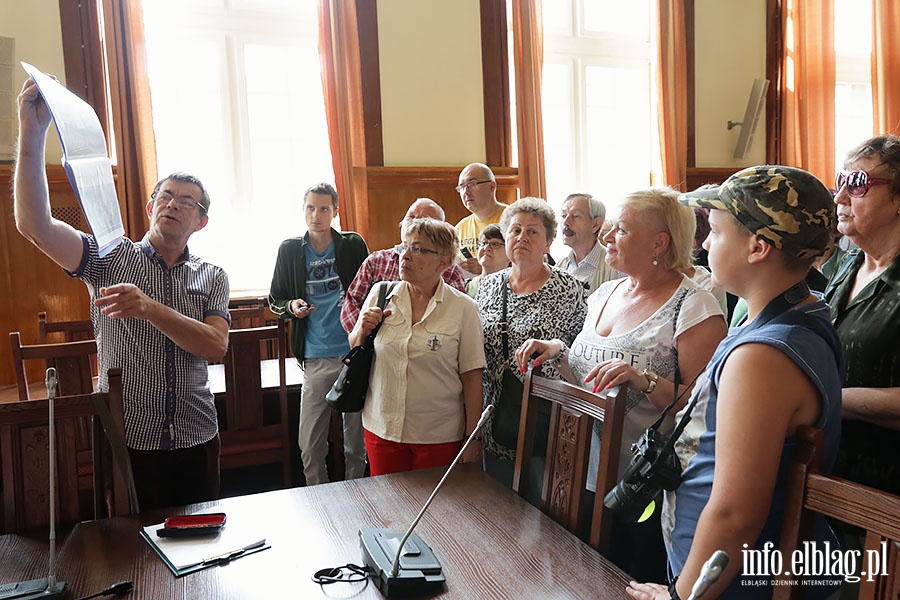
x,y
781,303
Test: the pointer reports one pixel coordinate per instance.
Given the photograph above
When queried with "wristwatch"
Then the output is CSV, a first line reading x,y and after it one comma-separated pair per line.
x,y
652,379
673,593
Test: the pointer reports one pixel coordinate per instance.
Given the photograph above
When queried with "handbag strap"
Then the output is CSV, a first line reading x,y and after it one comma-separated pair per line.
x,y
384,288
504,325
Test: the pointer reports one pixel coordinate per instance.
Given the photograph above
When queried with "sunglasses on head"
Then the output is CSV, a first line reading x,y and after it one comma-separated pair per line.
x,y
858,182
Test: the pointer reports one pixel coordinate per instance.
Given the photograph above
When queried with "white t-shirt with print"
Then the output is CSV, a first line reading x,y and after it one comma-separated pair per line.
x,y
650,345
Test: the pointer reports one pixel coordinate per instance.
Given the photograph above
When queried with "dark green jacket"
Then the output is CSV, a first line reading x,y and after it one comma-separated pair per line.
x,y
289,280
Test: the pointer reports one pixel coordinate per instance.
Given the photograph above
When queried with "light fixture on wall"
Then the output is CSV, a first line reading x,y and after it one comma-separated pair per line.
x,y
751,117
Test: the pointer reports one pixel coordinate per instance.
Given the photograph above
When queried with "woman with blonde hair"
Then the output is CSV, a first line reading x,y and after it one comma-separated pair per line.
x,y
653,330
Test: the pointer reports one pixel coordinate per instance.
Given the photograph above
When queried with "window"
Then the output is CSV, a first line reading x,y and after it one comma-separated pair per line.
x,y
237,101
599,99
853,120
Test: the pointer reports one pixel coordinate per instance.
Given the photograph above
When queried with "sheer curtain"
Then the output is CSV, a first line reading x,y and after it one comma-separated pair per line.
x,y
672,107
806,87
528,42
341,83
886,66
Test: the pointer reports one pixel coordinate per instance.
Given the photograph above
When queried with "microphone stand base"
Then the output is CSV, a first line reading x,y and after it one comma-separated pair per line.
x,y
420,571
33,589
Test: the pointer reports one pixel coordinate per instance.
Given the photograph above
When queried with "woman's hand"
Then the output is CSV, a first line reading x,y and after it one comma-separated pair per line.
x,y
612,373
540,350
473,453
647,591
370,318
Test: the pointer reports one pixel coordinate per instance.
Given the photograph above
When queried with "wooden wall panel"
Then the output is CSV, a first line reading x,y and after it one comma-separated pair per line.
x,y
698,176
392,189
31,282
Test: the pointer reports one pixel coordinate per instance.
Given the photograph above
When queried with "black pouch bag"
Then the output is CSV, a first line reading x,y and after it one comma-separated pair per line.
x,y
348,394
505,424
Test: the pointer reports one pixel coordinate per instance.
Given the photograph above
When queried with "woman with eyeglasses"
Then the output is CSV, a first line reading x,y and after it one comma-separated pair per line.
x,y
864,296
491,255
653,330
540,301
425,392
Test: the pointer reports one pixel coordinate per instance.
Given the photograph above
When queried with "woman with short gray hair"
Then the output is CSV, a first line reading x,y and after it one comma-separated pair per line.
x,y
534,300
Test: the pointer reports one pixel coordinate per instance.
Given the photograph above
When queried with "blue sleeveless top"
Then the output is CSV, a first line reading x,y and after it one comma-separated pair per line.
x,y
806,336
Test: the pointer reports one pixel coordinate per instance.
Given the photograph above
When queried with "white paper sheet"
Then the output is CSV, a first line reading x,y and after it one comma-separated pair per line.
x,y
183,552
84,159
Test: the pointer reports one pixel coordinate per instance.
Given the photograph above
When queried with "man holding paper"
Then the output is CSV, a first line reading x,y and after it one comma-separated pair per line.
x,y
159,314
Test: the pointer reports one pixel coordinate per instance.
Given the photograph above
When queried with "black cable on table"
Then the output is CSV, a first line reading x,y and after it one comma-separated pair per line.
x,y
116,589
348,573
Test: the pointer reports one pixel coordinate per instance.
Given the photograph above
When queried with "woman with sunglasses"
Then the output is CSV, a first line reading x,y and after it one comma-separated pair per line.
x,y
864,296
425,393
491,256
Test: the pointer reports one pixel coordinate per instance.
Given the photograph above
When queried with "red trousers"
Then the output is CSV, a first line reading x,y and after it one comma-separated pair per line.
x,y
395,457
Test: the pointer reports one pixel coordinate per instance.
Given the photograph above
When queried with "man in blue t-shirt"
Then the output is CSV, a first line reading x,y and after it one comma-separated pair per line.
x,y
311,276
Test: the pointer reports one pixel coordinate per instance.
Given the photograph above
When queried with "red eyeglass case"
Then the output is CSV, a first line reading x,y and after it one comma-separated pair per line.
x,y
192,525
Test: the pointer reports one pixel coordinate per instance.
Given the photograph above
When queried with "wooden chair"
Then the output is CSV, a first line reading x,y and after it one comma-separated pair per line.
x,y
573,411
24,449
247,317
877,512
73,363
249,436
117,483
63,331
50,332
71,359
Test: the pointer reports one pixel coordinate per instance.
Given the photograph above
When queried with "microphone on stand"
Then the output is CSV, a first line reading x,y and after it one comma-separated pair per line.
x,y
709,574
382,549
45,588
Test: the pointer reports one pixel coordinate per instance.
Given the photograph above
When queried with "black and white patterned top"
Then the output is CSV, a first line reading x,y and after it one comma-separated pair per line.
x,y
168,404
556,311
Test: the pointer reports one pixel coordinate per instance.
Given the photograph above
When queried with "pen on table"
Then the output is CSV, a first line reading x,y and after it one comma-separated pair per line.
x,y
232,554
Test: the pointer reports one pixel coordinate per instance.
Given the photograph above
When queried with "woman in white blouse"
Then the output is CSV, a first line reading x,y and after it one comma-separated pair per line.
x,y
645,330
425,392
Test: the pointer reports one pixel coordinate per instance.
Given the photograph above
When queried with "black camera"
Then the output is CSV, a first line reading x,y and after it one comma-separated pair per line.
x,y
654,468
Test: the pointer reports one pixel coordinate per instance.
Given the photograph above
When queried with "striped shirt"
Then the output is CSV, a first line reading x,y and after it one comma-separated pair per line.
x,y
168,403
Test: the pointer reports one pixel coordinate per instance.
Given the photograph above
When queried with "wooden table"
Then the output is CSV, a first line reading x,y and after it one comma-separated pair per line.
x,y
492,544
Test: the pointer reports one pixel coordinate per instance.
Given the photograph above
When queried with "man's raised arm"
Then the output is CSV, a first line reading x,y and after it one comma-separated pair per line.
x,y
57,239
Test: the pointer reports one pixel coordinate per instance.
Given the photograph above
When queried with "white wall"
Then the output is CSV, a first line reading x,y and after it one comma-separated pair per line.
x,y
38,40
730,51
431,83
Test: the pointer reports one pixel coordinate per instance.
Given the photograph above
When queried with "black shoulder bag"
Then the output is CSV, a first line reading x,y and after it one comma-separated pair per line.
x,y
505,425
348,394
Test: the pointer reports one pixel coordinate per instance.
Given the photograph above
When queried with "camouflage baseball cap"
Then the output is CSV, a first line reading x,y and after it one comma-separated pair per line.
x,y
787,207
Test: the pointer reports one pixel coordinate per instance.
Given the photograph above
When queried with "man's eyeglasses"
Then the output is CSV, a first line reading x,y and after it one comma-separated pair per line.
x,y
415,250
184,203
858,182
495,245
468,186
